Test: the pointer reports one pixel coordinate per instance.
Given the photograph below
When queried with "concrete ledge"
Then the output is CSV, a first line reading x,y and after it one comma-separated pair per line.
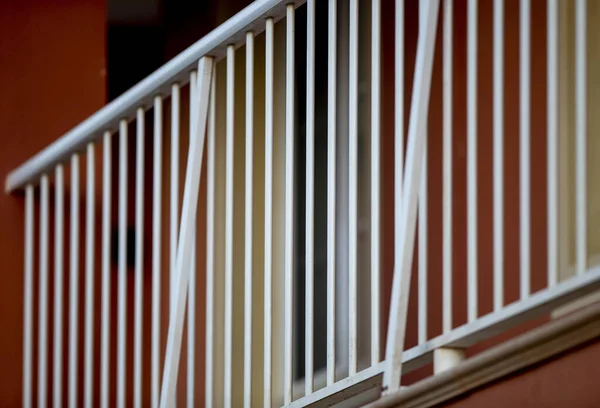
x,y
530,348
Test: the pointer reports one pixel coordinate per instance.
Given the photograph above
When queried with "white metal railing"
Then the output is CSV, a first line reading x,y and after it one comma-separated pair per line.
x,y
267,196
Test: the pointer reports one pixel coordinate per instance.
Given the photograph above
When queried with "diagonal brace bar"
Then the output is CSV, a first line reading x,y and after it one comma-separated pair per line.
x,y
407,209
186,231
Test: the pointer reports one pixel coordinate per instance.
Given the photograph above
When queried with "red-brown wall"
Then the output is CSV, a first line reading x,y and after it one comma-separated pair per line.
x,y
52,76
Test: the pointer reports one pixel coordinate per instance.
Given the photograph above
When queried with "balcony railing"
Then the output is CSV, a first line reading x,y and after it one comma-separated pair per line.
x,y
247,205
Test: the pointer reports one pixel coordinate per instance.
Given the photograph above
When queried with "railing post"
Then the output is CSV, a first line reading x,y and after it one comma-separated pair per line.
x,y
407,210
186,232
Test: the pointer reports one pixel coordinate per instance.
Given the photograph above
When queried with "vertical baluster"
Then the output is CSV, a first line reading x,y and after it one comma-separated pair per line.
x,y
498,154
139,258
581,135
353,189
268,279
552,117
472,160
229,144
525,150
43,291
191,312
122,267
59,221
74,282
156,249
398,111
422,265
310,199
106,269
89,277
331,186
447,166
248,219
28,298
210,243
375,176
174,200
289,204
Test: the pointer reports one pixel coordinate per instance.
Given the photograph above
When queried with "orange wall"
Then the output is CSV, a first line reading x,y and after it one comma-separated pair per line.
x,y
52,76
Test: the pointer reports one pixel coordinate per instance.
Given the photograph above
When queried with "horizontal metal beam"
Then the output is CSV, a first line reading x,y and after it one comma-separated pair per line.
x,y
251,18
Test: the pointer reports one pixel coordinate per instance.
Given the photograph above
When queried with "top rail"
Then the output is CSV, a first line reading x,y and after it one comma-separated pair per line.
x,y
252,18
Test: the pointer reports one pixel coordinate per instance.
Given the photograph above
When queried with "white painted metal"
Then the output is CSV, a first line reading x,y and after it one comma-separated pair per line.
x,y
59,225
525,146
407,211
398,111
122,269
268,277
90,231
28,299
353,191
191,305
248,220
472,160
581,136
552,117
210,243
74,282
447,166
43,293
498,226
156,250
331,185
159,82
375,180
139,258
106,269
447,358
186,235
174,200
289,206
309,262
422,215
229,147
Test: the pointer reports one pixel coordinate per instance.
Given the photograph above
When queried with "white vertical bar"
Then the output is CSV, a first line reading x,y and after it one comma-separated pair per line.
x,y
472,160
353,189
139,259
59,221
191,313
210,242
174,201
447,166
122,253
581,135
248,219
498,154
156,249
28,299
43,290
289,205
375,179
310,200
106,269
186,235
89,277
407,211
229,144
268,279
74,282
422,265
331,166
525,150
552,116
398,110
